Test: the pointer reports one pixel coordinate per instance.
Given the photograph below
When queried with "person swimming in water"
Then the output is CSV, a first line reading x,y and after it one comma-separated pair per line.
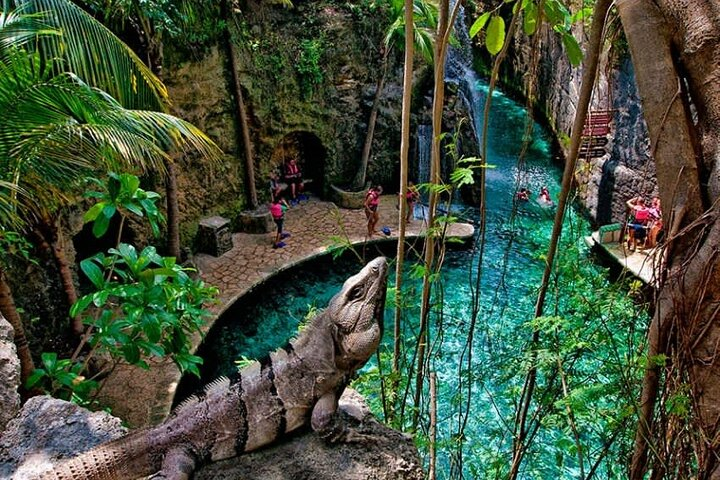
x,y
544,198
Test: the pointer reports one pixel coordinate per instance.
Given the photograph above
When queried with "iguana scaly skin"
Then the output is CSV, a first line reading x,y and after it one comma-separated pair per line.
x,y
295,385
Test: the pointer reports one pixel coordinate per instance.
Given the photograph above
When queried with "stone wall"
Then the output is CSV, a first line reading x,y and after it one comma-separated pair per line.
x,y
283,104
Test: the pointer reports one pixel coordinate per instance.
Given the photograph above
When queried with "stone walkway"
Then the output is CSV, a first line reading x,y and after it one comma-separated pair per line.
x,y
143,397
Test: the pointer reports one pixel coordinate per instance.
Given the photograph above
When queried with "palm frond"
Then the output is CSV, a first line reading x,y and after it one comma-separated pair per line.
x,y
95,54
18,28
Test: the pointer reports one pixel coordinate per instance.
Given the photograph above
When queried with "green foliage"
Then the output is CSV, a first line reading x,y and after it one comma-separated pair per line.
x,y
308,68
12,244
554,12
121,194
495,37
148,306
62,378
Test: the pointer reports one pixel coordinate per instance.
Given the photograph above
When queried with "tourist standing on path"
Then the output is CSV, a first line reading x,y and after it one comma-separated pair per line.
x,y
372,200
277,210
412,196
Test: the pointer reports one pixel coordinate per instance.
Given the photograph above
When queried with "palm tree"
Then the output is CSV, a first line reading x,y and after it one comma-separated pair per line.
x,y
58,127
425,20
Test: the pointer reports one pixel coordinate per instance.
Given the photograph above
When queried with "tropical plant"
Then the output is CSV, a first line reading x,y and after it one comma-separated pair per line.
x,y
142,304
59,126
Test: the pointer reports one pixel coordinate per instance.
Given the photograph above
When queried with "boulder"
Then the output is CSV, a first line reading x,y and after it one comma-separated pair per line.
x,y
48,429
9,374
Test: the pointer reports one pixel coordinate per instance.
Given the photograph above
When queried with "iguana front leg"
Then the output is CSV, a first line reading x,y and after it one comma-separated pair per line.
x,y
330,425
178,464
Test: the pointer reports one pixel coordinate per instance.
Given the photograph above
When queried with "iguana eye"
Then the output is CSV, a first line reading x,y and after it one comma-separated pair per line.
x,y
356,292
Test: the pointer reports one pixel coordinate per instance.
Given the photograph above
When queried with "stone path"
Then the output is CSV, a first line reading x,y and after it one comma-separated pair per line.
x,y
143,397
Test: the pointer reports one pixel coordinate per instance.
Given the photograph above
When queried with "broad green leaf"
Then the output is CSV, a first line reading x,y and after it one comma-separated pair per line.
x,y
80,306
134,209
495,37
130,183
49,359
131,353
93,212
479,24
93,272
109,211
573,49
35,377
530,19
100,226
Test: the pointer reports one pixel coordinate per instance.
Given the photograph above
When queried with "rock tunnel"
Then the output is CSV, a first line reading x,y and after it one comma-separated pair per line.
x,y
310,154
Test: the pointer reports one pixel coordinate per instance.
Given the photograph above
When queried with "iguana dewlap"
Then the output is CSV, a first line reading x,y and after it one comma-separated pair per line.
x,y
295,385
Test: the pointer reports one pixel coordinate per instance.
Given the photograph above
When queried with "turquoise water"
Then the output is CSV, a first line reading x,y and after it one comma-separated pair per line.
x,y
512,269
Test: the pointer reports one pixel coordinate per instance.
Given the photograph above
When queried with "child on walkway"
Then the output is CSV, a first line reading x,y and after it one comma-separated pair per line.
x,y
277,210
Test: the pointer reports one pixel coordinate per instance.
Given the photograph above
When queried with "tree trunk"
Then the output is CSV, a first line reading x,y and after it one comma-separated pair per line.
x,y
360,177
154,47
50,239
675,45
250,190
430,240
402,214
9,311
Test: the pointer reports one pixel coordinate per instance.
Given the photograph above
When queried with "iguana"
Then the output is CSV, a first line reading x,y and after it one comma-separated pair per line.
x,y
293,386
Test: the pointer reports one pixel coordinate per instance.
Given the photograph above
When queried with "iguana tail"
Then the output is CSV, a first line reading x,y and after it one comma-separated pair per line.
x,y
123,459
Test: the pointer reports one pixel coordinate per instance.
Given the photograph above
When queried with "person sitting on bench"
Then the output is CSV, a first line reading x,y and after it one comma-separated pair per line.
x,y
293,177
641,217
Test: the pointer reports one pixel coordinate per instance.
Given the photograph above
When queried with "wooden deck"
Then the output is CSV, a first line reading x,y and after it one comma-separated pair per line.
x,y
643,264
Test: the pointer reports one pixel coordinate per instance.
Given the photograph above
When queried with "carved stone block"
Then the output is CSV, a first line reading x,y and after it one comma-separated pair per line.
x,y
214,236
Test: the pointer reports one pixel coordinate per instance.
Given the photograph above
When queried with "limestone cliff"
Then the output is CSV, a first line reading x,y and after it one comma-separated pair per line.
x,y
604,183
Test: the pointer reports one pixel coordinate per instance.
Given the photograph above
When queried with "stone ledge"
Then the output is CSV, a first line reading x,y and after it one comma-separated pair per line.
x,y
348,199
255,221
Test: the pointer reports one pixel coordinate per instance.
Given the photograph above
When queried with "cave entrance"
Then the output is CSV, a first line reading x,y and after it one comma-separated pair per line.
x,y
310,154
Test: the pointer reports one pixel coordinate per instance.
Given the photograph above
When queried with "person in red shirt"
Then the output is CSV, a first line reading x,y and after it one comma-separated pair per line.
x,y
641,218
372,200
277,210
293,177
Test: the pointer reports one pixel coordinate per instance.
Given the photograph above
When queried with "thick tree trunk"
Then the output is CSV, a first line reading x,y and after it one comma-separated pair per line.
x,y
9,311
361,175
250,190
674,45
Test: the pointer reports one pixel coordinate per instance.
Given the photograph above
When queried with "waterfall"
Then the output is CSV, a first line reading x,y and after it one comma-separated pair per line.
x,y
459,71
424,139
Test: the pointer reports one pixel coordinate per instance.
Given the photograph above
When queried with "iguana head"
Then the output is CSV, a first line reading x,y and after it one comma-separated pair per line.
x,y
357,315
